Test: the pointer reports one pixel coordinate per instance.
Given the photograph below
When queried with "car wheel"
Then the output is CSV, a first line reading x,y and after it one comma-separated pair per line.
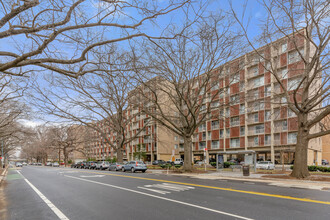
x,y
133,170
123,169
143,171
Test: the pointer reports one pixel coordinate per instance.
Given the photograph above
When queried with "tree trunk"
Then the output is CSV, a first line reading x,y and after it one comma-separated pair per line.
x,y
300,168
120,156
187,166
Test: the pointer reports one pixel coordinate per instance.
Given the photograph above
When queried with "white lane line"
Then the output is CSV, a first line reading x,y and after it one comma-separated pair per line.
x,y
59,214
163,198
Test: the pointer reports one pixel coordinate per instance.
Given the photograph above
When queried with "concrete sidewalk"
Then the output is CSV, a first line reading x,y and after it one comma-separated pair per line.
x,y
3,174
238,176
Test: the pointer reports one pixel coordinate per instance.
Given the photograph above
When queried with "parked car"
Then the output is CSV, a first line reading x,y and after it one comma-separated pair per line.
x,y
91,165
268,165
18,164
24,164
55,164
134,166
83,164
325,162
48,164
178,161
200,163
158,162
102,165
39,164
73,165
116,166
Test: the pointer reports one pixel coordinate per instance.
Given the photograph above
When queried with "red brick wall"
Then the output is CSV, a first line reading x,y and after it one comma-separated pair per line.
x,y
292,124
215,135
261,116
242,142
283,59
234,132
284,137
267,127
242,119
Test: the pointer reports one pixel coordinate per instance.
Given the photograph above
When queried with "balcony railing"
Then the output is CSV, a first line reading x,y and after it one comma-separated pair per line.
x,y
256,131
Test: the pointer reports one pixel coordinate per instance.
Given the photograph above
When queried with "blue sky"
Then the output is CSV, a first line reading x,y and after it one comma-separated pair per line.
x,y
254,12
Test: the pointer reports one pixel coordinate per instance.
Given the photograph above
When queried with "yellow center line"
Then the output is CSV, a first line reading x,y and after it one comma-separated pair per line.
x,y
218,188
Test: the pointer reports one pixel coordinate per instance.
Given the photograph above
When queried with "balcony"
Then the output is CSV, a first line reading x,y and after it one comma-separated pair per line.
x,y
252,144
256,131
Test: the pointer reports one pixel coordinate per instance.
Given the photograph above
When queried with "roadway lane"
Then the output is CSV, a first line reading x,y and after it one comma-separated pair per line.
x,y
83,194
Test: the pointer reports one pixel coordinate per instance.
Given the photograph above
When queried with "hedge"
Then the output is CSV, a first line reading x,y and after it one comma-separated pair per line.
x,y
316,168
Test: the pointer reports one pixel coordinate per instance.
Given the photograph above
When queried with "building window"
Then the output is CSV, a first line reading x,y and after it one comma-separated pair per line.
x,y
175,146
227,112
254,71
294,83
292,138
204,136
295,56
259,129
214,144
284,47
175,138
234,99
267,139
255,117
267,115
209,135
227,132
234,121
242,109
256,141
284,125
215,104
215,125
235,78
284,73
203,108
291,113
221,133
242,131
234,142
260,81
202,127
202,145
215,86
267,91
241,86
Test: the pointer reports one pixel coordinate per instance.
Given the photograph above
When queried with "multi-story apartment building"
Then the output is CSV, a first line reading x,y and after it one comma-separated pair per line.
x,y
250,115
257,117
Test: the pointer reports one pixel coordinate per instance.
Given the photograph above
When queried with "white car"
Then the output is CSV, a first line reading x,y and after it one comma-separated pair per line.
x,y
267,165
178,161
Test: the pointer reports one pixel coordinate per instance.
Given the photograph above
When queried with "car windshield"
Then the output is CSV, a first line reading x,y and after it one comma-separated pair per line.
x,y
263,162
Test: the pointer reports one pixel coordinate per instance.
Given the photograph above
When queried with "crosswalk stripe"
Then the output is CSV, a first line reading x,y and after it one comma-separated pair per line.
x,y
154,190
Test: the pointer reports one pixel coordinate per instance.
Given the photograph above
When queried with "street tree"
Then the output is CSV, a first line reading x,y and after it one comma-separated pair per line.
x,y
183,80
303,27
59,35
98,101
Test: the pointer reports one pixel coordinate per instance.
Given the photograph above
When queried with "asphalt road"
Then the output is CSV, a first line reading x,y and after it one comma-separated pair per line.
x,y
63,193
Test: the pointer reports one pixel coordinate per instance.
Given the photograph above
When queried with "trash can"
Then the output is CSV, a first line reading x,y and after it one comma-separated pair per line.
x,y
246,170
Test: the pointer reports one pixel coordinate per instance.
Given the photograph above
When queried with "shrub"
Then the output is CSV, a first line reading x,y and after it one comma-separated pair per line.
x,y
227,164
177,166
314,168
214,164
70,162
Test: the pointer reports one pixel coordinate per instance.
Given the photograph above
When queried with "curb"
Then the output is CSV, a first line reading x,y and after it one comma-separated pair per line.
x,y
3,175
272,181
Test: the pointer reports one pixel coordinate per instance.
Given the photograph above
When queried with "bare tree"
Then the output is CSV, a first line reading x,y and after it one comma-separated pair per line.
x,y
98,101
303,27
183,82
58,35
